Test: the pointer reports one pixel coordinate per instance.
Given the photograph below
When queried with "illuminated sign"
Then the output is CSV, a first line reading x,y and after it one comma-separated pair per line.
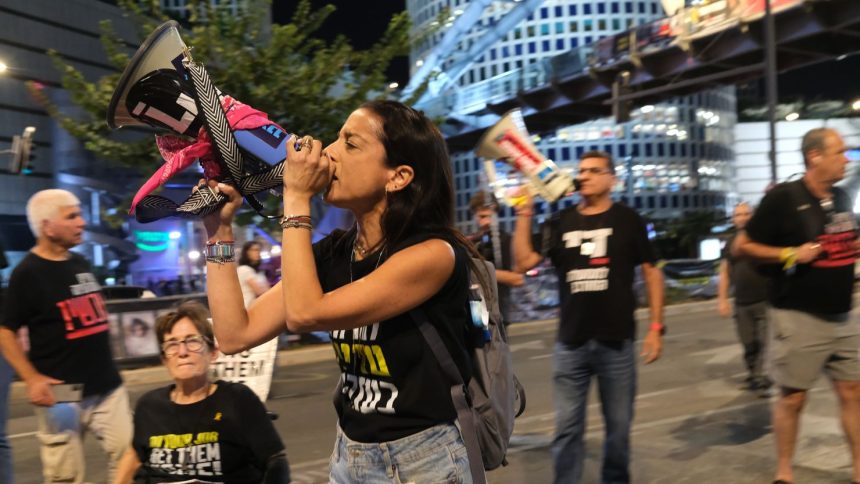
x,y
151,241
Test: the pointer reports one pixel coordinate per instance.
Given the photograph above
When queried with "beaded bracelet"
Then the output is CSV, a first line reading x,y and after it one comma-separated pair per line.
x,y
220,251
296,221
297,225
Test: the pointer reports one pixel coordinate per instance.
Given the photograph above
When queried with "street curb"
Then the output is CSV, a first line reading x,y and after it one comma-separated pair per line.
x,y
323,352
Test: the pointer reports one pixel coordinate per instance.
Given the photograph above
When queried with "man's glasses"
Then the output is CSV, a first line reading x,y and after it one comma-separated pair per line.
x,y
193,344
593,171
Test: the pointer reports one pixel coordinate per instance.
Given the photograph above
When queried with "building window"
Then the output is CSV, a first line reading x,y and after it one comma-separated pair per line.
x,y
532,48
601,24
544,29
571,10
574,26
545,45
586,9
601,8
559,27
559,44
614,7
558,11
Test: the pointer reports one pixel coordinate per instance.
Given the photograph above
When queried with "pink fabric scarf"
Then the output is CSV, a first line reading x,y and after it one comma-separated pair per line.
x,y
179,152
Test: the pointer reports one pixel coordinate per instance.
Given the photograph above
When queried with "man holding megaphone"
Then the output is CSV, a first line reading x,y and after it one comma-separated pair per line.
x,y
595,247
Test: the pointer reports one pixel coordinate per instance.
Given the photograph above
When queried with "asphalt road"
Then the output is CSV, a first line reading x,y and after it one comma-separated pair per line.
x,y
693,422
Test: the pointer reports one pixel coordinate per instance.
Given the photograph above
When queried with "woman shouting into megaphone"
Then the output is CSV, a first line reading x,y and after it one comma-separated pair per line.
x,y
389,166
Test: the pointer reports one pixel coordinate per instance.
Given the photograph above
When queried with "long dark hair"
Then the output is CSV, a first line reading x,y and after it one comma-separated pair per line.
x,y
426,205
243,257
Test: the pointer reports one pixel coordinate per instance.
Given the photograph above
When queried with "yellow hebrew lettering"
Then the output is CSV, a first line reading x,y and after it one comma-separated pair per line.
x,y
381,365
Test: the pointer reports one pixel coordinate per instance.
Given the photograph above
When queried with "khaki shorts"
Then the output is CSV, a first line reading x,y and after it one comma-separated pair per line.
x,y
803,344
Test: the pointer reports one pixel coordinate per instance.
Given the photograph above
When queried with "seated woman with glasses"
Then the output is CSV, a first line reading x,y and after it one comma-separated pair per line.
x,y
197,430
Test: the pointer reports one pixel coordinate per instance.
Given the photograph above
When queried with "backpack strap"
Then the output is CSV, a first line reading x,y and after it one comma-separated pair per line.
x,y
459,393
799,198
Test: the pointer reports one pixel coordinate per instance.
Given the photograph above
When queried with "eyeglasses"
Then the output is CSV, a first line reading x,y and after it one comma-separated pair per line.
x,y
594,171
194,344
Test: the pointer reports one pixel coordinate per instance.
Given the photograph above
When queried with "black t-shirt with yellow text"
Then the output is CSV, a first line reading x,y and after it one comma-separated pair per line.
x,y
227,437
393,385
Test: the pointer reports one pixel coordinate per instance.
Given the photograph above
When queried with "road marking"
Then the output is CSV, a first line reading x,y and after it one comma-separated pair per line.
x,y
25,434
721,354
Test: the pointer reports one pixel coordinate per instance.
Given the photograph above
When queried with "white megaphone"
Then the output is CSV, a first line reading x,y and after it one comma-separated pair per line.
x,y
509,140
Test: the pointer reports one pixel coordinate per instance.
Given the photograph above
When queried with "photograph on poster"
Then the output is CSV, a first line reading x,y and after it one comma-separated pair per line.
x,y
139,329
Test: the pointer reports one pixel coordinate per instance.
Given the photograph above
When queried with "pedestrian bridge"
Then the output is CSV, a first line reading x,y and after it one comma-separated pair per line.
x,y
718,43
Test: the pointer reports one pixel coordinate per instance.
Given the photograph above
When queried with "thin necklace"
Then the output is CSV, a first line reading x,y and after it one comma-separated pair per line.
x,y
351,334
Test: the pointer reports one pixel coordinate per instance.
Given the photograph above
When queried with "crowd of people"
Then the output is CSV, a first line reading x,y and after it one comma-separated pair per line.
x,y
790,263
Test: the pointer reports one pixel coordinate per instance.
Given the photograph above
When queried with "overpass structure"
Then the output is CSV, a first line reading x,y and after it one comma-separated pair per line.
x,y
717,43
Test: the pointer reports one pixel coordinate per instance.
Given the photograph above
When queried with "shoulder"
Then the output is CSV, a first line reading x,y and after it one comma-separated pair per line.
x,y
626,212
245,271
237,391
782,192
154,399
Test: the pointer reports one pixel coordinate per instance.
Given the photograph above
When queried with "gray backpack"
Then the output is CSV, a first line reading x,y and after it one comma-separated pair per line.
x,y
494,397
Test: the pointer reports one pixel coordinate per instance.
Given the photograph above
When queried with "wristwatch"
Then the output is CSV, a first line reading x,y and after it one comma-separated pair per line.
x,y
657,326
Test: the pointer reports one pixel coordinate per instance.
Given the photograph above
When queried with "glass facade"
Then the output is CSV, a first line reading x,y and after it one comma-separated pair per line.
x,y
671,158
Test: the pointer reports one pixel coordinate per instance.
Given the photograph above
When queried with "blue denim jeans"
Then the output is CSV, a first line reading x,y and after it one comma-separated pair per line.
x,y
6,375
433,455
614,365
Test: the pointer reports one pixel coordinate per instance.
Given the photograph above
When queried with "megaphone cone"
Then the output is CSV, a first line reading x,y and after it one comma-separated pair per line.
x,y
509,140
153,89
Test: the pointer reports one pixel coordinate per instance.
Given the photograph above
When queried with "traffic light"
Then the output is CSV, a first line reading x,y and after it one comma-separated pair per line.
x,y
21,152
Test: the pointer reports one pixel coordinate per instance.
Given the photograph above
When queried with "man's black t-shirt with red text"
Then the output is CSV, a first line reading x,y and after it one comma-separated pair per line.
x,y
61,304
789,216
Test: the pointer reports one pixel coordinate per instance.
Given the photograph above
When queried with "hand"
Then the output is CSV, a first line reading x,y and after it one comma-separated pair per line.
x,y
652,346
39,390
518,280
219,224
808,252
523,202
724,308
307,170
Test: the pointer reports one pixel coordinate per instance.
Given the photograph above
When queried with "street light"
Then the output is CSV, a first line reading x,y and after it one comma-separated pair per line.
x,y
3,66
856,105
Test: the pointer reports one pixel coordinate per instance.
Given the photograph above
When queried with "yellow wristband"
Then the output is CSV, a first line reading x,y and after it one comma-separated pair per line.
x,y
788,257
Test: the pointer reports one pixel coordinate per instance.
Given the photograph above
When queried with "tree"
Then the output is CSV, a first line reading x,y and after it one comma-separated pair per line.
x,y
679,238
305,84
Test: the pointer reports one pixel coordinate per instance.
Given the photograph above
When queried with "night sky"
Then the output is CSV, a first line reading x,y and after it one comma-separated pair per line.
x,y
362,21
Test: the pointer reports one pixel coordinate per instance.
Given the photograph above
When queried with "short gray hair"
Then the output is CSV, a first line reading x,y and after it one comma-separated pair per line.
x,y
45,205
814,139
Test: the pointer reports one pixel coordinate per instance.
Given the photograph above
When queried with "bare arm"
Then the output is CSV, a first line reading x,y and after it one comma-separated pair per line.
x,y
128,464
407,279
38,385
524,253
652,345
235,327
404,281
509,278
723,306
745,246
